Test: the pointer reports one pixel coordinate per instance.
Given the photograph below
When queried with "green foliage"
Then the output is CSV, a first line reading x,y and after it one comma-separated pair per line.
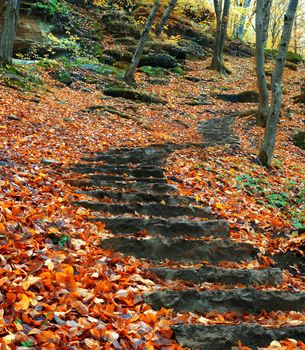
x,y
27,344
251,185
52,7
178,71
278,200
61,240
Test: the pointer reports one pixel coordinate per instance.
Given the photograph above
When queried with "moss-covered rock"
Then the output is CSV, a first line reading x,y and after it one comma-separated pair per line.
x,y
119,55
153,71
294,57
178,71
131,94
299,139
63,77
250,96
122,28
158,60
24,78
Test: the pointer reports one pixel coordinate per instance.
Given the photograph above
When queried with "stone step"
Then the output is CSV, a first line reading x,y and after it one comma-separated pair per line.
x,y
181,250
166,227
136,151
117,178
214,274
224,337
243,300
152,209
135,186
110,169
155,160
140,197
126,162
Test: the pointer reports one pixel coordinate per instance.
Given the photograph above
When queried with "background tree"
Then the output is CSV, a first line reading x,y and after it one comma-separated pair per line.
x,y
222,16
165,17
239,26
129,76
262,23
267,147
10,11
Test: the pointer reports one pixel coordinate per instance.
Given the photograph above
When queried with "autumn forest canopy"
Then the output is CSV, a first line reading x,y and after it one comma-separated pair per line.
x,y
152,174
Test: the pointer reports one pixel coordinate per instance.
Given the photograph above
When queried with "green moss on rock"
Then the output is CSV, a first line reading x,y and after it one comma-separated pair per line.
x,y
299,139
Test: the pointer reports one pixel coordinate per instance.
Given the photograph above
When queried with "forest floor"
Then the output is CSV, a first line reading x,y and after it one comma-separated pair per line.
x,y
52,265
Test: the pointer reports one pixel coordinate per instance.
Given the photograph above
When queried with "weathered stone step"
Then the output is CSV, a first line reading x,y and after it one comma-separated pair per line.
x,y
214,274
158,249
166,227
135,186
141,197
110,169
116,178
112,160
151,209
224,337
154,159
243,300
137,151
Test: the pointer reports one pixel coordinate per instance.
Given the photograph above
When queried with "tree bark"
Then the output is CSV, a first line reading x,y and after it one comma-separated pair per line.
x,y
222,18
129,76
261,24
239,33
165,17
11,11
215,58
268,144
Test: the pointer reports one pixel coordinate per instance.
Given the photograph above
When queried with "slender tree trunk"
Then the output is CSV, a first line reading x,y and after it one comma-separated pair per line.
x,y
224,27
239,33
165,17
295,35
221,33
261,24
267,147
11,11
215,58
129,76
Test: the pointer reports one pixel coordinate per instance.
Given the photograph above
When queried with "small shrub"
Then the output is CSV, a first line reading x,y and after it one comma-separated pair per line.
x,y
51,7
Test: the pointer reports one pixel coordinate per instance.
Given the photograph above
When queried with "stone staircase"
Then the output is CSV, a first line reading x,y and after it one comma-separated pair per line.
x,y
149,221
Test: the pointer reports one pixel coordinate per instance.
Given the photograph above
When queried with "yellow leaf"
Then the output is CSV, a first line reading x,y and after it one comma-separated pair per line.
x,y
219,205
23,303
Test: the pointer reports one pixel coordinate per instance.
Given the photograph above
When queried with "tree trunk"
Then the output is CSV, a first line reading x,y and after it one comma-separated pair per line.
x,y
129,76
221,33
224,27
261,24
164,19
11,11
215,59
267,147
239,33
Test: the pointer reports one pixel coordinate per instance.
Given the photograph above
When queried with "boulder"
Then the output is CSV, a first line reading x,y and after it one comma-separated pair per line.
x,y
131,94
119,55
299,139
30,31
192,49
158,60
249,96
122,28
63,77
